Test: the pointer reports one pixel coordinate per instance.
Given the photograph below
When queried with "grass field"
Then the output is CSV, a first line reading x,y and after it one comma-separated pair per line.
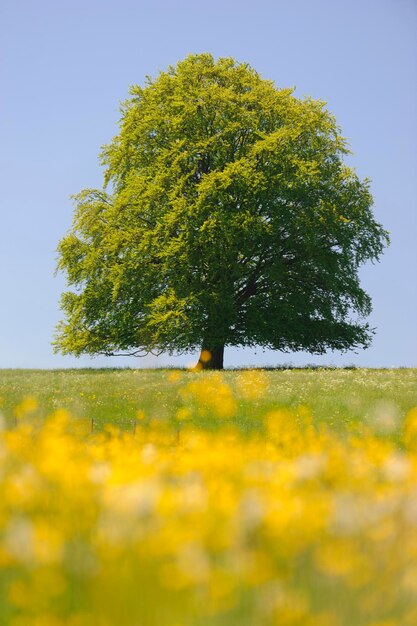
x,y
338,397
165,497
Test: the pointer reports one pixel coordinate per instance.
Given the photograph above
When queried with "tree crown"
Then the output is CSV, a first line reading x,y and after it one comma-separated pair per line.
x,y
229,218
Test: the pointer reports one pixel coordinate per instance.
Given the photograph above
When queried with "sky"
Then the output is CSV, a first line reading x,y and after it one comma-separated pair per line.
x,y
66,66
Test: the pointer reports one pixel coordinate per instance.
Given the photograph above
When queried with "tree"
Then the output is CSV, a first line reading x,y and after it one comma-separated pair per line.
x,y
229,219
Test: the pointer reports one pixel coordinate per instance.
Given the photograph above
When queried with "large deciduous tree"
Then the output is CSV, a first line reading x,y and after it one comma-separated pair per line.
x,y
229,218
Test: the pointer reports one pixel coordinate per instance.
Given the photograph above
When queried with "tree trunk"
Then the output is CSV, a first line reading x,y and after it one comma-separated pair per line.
x,y
211,358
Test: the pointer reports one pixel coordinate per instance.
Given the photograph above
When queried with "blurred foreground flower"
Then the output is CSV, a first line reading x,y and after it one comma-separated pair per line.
x,y
289,526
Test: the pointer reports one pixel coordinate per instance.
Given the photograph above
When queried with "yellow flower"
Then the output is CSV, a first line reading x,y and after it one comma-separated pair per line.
x,y
28,405
174,377
212,395
205,356
183,413
410,430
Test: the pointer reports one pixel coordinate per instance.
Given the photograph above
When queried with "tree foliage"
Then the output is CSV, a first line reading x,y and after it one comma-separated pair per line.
x,y
229,218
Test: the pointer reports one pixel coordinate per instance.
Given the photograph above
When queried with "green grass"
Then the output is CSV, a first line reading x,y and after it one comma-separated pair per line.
x,y
156,527
342,398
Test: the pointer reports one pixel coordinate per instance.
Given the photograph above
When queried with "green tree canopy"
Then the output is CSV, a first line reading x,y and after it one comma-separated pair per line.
x,y
229,219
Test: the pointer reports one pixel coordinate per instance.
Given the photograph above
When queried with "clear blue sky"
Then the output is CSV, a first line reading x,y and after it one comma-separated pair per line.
x,y
66,65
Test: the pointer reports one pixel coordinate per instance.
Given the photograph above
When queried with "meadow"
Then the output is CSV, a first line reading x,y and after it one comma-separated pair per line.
x,y
241,498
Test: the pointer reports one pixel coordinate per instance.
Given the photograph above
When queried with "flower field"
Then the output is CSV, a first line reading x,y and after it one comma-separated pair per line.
x,y
246,498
